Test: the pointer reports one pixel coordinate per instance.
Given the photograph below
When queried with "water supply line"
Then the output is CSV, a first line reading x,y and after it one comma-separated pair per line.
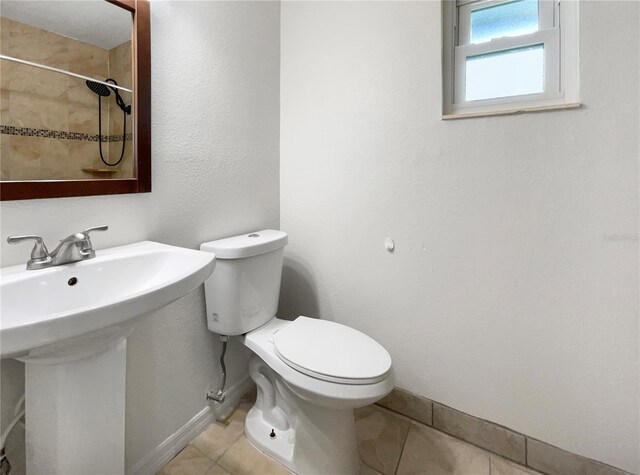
x,y
218,396
5,466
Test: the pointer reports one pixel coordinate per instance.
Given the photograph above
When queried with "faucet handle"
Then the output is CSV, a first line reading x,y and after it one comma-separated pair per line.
x,y
104,227
87,252
39,249
39,253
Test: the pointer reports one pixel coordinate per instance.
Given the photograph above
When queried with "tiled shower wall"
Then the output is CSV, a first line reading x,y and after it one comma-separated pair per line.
x,y
36,99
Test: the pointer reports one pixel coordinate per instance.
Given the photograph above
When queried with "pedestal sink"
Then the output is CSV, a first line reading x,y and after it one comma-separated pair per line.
x,y
69,324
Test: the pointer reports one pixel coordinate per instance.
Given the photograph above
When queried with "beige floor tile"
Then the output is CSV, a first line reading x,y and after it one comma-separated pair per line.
x,y
188,462
381,436
366,470
218,437
500,466
430,452
363,412
217,470
244,459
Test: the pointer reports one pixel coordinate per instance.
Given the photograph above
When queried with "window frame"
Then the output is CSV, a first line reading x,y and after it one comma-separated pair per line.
x,y
546,16
558,32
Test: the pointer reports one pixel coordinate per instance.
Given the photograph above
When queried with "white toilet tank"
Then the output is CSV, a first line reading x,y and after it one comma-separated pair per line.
x,y
242,293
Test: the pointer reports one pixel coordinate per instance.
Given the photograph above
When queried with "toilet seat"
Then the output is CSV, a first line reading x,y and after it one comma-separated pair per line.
x,y
322,393
331,352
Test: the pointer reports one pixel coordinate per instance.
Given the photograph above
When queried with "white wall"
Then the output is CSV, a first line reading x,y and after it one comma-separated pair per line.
x,y
503,299
215,112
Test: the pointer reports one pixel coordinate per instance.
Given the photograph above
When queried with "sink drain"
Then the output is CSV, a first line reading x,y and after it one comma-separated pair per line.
x,y
72,281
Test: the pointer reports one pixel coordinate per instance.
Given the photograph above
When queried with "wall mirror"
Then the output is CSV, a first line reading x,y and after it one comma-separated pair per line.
x,y
75,98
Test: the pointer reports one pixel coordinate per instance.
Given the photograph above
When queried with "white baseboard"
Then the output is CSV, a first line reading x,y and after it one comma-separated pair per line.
x,y
158,457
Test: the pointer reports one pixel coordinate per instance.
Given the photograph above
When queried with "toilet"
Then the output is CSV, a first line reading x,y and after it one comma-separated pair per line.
x,y
310,374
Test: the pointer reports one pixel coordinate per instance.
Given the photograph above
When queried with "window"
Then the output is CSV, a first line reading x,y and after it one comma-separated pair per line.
x,y
501,56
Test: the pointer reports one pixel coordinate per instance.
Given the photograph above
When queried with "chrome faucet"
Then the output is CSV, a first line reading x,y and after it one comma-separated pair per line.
x,y
74,248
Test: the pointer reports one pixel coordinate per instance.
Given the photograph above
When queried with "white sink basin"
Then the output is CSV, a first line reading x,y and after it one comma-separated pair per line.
x,y
40,307
69,324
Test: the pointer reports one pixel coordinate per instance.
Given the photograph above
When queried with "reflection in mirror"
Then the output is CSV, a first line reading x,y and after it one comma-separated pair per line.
x,y
72,118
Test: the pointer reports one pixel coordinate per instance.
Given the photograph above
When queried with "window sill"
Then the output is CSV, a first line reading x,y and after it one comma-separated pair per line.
x,y
519,110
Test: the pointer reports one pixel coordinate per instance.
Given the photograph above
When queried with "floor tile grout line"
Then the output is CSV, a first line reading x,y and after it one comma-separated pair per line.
x,y
399,415
507,429
411,423
473,445
433,405
197,450
418,423
404,443
370,467
227,449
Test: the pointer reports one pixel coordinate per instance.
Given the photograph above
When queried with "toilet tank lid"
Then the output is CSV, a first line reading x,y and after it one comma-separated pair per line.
x,y
246,245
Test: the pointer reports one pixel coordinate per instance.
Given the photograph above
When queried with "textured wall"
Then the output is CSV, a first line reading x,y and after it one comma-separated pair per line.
x,y
215,119
508,296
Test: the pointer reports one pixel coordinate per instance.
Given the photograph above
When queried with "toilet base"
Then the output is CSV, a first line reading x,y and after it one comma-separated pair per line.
x,y
306,438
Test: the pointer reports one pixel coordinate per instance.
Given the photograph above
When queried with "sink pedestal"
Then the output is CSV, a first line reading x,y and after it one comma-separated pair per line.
x,y
69,325
75,413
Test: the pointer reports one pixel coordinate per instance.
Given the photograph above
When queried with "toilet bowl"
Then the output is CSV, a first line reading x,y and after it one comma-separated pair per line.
x,y
305,420
310,373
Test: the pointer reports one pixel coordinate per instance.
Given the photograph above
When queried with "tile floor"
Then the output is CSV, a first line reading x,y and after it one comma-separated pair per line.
x,y
388,443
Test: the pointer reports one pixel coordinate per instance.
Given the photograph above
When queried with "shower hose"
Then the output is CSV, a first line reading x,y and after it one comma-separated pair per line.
x,y
124,130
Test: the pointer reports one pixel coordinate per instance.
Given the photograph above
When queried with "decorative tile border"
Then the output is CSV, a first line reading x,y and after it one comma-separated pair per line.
x,y
59,134
494,438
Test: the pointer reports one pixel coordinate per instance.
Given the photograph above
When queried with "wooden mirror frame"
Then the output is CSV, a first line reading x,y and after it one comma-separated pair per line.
x,y
141,45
